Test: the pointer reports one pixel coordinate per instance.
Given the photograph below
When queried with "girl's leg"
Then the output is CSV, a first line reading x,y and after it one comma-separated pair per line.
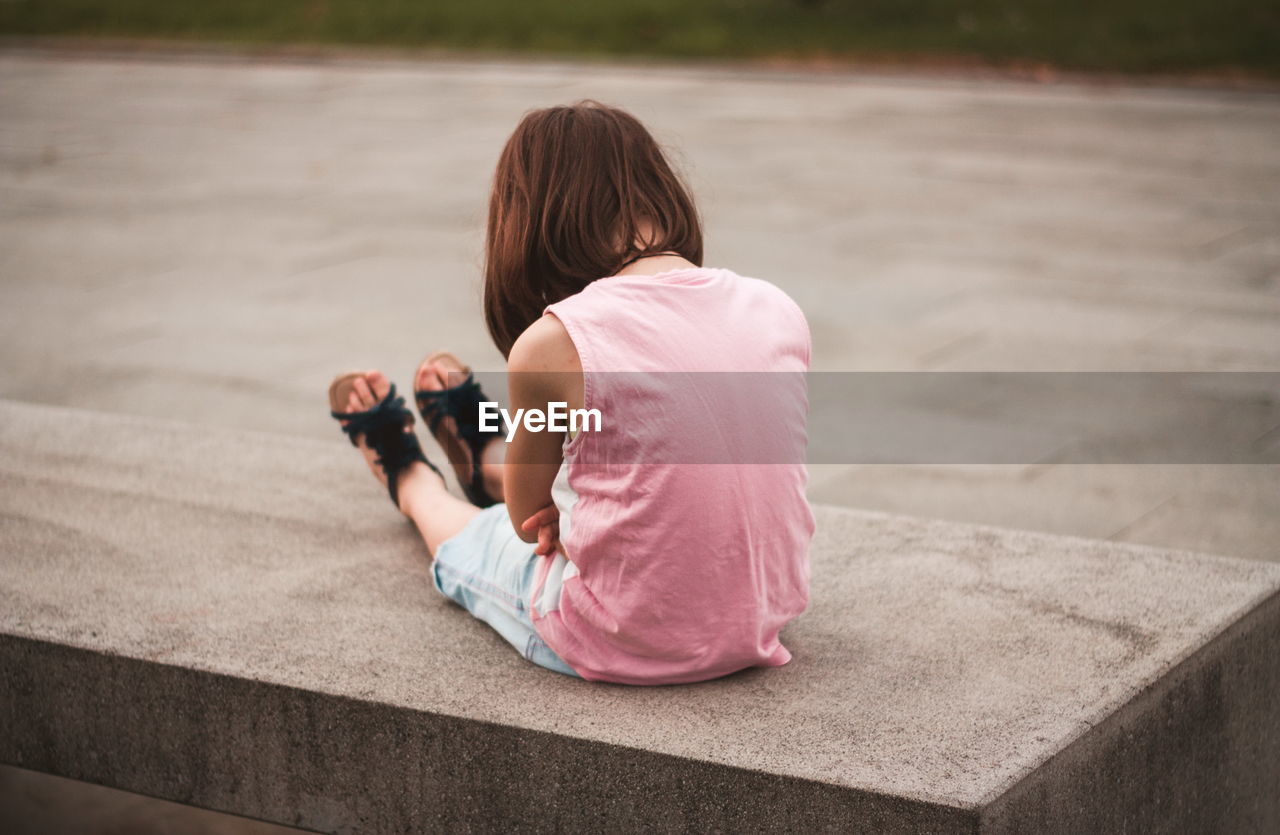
x,y
490,572
438,514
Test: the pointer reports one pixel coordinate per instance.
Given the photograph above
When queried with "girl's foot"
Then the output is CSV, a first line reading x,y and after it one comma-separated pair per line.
x,y
442,371
367,391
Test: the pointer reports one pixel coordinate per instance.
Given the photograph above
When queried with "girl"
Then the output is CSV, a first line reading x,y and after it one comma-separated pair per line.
x,y
652,548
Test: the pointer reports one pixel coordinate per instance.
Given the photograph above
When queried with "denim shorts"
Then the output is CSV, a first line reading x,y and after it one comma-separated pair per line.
x,y
489,571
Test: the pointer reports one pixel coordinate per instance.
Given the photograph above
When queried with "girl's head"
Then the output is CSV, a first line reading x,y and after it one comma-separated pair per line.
x,y
579,189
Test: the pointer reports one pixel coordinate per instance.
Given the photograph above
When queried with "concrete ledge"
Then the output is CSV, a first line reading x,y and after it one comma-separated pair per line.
x,y
241,622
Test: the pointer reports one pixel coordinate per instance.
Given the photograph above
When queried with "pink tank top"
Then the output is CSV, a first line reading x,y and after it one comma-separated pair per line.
x,y
685,531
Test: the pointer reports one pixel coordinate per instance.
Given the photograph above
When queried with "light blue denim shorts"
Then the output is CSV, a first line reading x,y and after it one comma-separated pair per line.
x,y
489,571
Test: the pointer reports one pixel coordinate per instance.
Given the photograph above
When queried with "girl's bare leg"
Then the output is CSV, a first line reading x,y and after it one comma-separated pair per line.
x,y
438,514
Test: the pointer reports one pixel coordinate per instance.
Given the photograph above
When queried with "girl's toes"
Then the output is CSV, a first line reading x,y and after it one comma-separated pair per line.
x,y
428,379
360,387
379,383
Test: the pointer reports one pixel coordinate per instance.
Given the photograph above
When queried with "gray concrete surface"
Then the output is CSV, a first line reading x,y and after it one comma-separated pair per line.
x,y
211,240
240,621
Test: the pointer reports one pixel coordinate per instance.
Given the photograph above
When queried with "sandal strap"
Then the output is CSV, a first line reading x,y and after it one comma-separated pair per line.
x,y
383,428
390,407
462,403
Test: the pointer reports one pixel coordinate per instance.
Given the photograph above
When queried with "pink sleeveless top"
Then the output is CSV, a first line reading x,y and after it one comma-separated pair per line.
x,y
683,520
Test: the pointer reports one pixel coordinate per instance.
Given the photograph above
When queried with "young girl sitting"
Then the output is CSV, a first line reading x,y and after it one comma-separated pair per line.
x,y
660,543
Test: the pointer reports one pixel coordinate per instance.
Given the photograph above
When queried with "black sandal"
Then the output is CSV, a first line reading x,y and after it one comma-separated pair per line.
x,y
462,403
387,430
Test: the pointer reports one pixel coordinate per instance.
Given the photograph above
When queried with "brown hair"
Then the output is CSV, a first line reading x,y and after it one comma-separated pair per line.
x,y
571,189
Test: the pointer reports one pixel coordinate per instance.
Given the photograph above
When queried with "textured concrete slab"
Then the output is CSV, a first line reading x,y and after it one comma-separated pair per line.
x,y
241,622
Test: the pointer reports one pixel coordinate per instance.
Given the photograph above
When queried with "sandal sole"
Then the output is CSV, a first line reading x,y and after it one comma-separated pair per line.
x,y
340,390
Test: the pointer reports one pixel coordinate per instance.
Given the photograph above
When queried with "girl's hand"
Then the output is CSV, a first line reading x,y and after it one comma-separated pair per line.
x,y
547,523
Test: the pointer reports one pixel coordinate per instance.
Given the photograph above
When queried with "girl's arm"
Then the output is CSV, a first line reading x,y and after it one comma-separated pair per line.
x,y
543,367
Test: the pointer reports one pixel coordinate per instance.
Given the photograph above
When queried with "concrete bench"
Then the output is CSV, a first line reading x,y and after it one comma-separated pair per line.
x,y
241,622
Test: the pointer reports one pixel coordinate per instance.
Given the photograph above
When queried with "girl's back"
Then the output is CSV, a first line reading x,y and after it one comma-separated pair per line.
x,y
683,519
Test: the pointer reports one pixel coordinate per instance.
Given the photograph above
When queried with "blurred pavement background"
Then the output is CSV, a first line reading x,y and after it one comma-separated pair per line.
x,y
212,239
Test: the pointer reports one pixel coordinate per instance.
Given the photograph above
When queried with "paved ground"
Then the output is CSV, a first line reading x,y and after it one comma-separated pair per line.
x,y
212,240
